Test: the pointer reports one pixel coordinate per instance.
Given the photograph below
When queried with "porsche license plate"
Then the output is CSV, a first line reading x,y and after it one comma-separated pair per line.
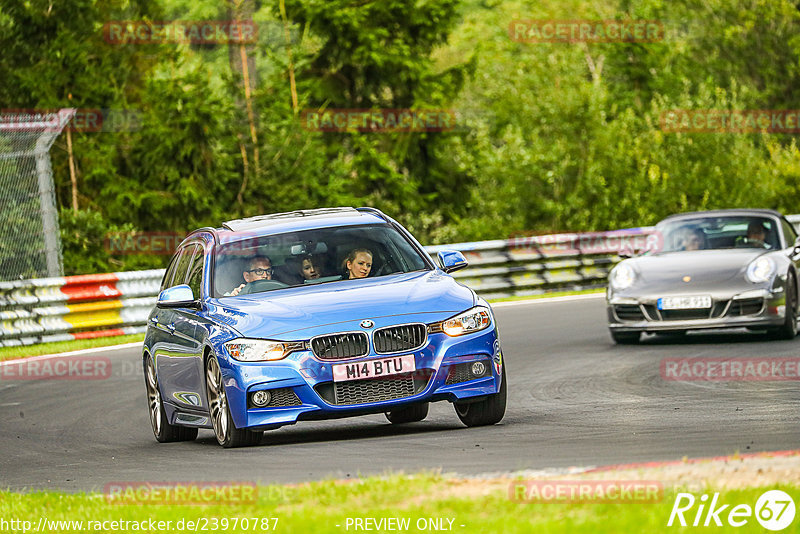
x,y
692,302
373,368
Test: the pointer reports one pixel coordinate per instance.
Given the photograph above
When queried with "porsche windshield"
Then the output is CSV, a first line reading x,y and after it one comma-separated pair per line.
x,y
706,233
265,263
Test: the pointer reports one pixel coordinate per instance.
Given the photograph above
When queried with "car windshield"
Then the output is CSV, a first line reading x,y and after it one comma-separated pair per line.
x,y
256,264
705,233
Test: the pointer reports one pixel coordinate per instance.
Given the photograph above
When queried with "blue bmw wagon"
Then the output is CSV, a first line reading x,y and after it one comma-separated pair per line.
x,y
315,314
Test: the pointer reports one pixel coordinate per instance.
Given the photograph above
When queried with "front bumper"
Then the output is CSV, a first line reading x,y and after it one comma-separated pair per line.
x,y
759,308
304,384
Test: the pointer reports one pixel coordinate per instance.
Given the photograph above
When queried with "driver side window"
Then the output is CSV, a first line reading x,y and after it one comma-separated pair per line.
x,y
789,233
170,273
181,267
195,280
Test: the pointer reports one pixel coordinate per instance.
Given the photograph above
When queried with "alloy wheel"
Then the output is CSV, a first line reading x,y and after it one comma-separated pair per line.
x,y
153,397
217,400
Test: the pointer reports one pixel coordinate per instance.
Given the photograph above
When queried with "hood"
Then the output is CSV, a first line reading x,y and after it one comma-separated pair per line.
x,y
339,306
706,268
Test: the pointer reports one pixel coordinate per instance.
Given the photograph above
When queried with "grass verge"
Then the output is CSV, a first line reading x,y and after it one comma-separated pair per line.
x,y
426,500
26,351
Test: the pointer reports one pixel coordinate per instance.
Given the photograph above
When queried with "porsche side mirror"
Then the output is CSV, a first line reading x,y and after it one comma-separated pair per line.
x,y
796,247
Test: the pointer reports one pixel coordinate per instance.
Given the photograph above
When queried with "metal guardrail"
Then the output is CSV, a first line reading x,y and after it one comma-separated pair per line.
x,y
539,264
78,307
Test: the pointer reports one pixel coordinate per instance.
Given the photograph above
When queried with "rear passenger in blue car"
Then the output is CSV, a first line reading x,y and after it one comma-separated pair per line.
x,y
310,268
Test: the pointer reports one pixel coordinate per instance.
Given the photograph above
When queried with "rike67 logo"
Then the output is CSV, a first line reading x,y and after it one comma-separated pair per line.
x,y
774,510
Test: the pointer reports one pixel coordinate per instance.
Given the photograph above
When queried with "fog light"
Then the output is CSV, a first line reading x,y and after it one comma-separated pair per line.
x,y
261,398
478,368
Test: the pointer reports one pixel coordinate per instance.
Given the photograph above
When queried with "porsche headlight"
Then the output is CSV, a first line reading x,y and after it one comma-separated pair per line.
x,y
760,270
473,320
622,276
261,350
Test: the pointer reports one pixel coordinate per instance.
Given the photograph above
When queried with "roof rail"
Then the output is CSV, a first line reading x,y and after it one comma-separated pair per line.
x,y
235,224
209,229
374,211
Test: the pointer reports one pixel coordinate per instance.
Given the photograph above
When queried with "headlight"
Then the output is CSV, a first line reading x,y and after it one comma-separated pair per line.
x,y
261,350
473,320
760,270
622,276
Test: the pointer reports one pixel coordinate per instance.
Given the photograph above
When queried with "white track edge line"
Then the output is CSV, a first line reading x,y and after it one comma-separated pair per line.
x,y
72,353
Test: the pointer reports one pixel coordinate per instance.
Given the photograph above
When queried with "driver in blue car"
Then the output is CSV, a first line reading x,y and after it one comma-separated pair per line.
x,y
259,268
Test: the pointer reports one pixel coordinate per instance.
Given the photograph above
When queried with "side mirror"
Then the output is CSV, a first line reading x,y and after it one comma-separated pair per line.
x,y
451,260
177,297
796,247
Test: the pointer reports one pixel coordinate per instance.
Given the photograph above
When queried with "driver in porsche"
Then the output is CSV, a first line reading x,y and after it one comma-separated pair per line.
x,y
757,235
259,268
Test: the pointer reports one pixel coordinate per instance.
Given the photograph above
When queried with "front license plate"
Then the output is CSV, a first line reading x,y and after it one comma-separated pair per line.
x,y
693,302
373,368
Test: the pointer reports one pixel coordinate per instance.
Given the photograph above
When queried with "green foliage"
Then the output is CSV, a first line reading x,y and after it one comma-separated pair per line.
x,y
555,146
85,240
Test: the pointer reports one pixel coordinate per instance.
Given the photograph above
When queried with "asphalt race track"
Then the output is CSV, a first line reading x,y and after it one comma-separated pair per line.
x,y
575,399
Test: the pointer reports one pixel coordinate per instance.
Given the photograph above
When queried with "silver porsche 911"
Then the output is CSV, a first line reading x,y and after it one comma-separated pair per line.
x,y
713,269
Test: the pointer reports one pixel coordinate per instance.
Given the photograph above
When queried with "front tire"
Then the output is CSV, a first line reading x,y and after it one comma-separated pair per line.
x,y
789,328
625,338
486,412
412,414
224,429
162,430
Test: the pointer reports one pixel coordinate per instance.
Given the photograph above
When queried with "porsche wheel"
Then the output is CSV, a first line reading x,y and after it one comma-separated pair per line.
x,y
412,414
486,412
225,430
162,430
789,328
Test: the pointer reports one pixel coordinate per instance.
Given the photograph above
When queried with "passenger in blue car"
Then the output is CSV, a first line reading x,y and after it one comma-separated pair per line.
x,y
310,268
357,264
259,268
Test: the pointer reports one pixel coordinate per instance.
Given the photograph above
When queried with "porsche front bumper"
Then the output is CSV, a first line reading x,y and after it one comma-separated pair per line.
x,y
758,308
